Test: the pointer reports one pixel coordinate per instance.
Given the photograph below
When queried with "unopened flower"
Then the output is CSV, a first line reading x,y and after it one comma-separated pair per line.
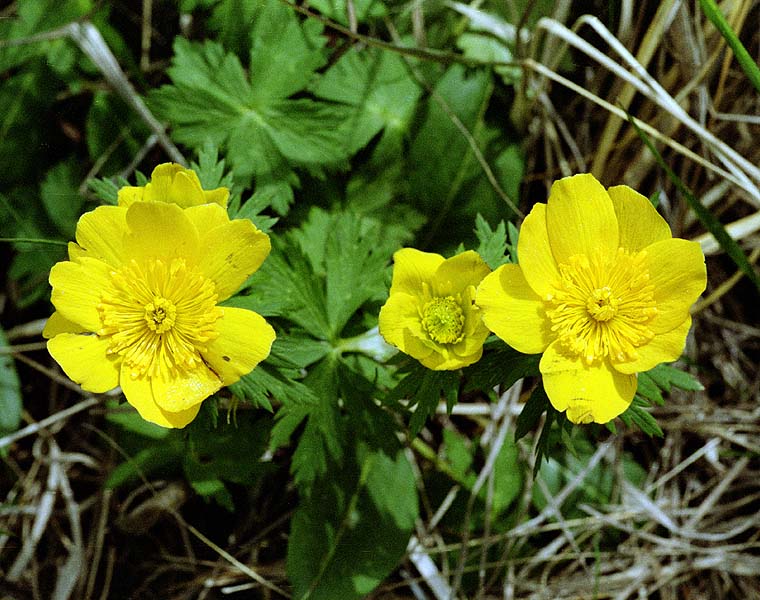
x,y
174,184
602,289
137,305
430,313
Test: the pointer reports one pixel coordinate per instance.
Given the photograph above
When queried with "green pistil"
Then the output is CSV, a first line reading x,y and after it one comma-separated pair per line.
x,y
443,320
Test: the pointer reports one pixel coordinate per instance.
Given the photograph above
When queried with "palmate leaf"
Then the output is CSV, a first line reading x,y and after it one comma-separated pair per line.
x,y
353,527
378,87
265,132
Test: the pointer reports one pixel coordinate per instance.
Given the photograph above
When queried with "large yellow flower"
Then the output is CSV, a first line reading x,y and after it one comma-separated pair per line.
x,y
137,305
430,314
175,184
602,289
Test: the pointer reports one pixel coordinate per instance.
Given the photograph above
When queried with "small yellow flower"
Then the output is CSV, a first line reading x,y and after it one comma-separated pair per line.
x,y
138,305
602,289
430,314
175,184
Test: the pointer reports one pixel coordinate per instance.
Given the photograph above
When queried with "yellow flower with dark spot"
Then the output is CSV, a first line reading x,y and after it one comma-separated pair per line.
x,y
602,289
137,305
174,184
430,313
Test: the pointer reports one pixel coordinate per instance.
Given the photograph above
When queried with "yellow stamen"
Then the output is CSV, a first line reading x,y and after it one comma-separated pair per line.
x,y
443,320
602,308
159,316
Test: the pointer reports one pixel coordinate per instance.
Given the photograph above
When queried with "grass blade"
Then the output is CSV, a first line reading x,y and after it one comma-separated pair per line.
x,y
711,223
746,62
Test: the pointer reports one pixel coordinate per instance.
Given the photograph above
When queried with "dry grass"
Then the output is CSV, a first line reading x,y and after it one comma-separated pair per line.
x,y
692,532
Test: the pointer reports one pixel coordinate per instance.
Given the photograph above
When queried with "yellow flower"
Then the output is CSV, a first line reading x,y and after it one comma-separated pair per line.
x,y
138,306
430,314
175,184
602,289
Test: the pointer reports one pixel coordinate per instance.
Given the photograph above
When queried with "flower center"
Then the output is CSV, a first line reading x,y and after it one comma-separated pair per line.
x,y
159,316
443,320
602,307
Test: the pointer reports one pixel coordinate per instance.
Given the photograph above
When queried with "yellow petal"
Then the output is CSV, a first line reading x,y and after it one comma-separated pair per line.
x,y
218,196
231,253
58,324
186,190
84,359
101,232
455,274
76,251
162,231
598,393
450,361
677,272
400,318
128,195
245,339
139,393
535,252
412,268
206,217
159,188
77,290
580,219
513,311
475,330
177,393
639,223
664,347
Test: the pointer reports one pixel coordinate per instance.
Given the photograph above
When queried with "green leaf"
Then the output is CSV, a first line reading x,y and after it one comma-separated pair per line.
x,y
667,377
10,391
500,365
61,198
638,415
493,243
354,528
337,11
378,86
285,52
440,158
105,189
537,403
425,389
264,132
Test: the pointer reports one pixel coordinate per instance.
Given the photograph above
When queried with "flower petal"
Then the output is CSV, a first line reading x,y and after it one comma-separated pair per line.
x,y
139,394
245,339
159,188
664,347
218,196
177,393
129,194
85,360
77,290
580,219
232,253
639,223
399,321
677,272
101,232
513,311
598,393
56,324
162,231
535,253
412,267
455,274
206,217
